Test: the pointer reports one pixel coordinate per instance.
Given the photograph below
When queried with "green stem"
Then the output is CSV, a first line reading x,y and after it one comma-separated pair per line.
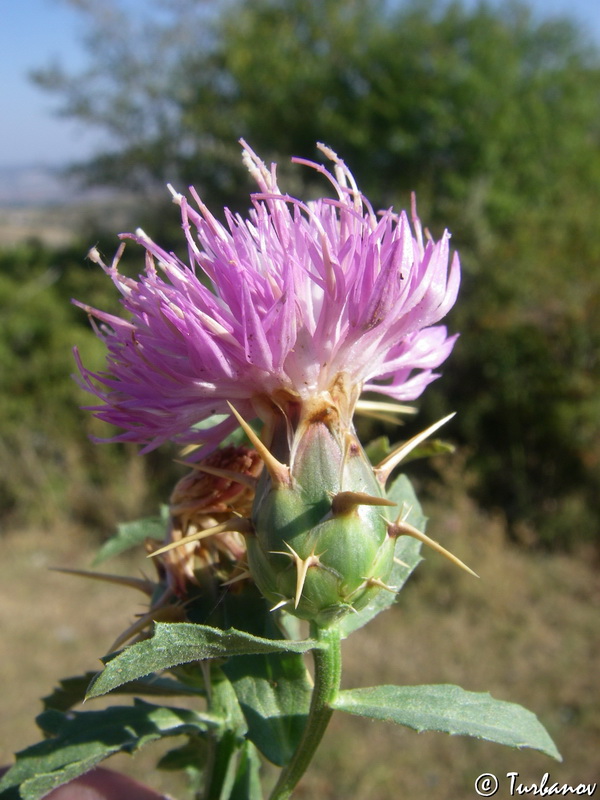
x,y
328,672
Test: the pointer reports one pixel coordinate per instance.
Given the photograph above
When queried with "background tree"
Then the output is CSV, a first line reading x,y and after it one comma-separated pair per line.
x,y
489,114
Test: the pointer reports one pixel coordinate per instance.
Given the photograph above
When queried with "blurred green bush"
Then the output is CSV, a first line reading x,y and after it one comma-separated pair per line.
x,y
49,468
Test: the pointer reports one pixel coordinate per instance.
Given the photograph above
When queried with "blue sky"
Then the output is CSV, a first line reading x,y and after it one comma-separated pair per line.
x,y
34,32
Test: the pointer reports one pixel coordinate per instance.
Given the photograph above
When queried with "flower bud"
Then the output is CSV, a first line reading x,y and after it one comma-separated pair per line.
x,y
321,546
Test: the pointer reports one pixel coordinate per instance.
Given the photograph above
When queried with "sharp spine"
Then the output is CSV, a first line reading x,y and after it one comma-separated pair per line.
x,y
280,473
401,528
144,585
302,567
239,524
346,502
389,463
229,474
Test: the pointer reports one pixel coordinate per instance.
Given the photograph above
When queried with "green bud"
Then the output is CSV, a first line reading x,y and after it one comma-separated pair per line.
x,y
321,546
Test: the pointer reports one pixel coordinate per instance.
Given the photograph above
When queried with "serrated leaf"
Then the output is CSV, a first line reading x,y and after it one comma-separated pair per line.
x,y
407,555
81,740
274,693
182,643
450,709
132,534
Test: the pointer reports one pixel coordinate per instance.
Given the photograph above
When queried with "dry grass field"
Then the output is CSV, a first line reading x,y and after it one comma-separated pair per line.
x,y
526,631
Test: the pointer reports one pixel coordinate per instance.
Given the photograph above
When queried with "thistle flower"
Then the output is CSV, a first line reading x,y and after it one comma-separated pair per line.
x,y
309,304
301,294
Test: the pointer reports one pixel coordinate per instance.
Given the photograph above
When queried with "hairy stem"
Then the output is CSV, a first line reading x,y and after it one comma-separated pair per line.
x,y
328,671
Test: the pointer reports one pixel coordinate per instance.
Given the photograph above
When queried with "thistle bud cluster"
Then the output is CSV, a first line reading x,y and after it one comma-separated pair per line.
x,y
219,487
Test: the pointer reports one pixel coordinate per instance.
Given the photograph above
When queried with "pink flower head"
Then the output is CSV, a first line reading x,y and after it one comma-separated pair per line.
x,y
300,295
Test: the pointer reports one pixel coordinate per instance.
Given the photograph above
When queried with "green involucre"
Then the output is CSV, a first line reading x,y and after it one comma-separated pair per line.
x,y
344,555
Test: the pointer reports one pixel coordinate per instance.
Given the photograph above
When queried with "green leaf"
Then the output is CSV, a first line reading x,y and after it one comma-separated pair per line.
x,y
190,756
247,779
223,766
274,693
402,493
450,709
132,534
181,643
72,691
81,740
224,751
237,437
379,448
430,448
407,557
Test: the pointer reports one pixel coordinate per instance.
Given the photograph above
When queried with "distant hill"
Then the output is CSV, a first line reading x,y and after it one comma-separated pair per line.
x,y
38,202
34,185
